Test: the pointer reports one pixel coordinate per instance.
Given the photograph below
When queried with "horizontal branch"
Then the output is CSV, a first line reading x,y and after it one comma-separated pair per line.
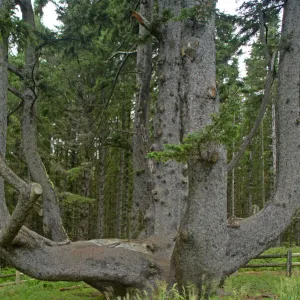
x,y
100,263
27,198
15,92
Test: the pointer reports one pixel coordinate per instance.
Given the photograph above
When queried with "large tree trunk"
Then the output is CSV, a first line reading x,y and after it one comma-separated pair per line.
x,y
3,105
53,227
142,210
170,186
202,237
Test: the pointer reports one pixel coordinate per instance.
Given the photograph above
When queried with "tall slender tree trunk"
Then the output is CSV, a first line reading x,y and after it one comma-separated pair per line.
x,y
4,214
142,209
52,223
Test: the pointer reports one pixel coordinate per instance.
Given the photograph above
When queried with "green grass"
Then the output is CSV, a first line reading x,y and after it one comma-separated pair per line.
x,y
37,290
253,284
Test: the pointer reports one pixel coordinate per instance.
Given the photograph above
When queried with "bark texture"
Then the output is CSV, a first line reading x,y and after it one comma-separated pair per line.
x,y
142,210
170,186
52,223
202,236
106,262
3,106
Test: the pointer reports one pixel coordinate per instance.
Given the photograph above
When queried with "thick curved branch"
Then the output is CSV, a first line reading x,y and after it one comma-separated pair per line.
x,y
27,198
98,262
257,233
262,110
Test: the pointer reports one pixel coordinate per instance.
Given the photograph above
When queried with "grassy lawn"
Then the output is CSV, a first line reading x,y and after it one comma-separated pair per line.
x,y
44,290
246,284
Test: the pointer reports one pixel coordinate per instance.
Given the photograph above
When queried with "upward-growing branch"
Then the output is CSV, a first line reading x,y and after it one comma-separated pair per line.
x,y
53,227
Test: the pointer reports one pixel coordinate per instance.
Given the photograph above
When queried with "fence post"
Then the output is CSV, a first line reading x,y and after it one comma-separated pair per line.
x,y
289,263
18,277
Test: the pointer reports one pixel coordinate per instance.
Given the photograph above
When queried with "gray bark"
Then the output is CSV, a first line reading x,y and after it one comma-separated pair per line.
x,y
202,237
53,227
142,209
170,185
3,107
119,264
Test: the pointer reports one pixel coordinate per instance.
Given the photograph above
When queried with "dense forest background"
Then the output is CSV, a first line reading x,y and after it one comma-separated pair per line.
x,y
86,87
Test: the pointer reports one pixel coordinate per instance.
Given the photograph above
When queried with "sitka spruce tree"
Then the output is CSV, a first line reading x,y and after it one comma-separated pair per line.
x,y
186,237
